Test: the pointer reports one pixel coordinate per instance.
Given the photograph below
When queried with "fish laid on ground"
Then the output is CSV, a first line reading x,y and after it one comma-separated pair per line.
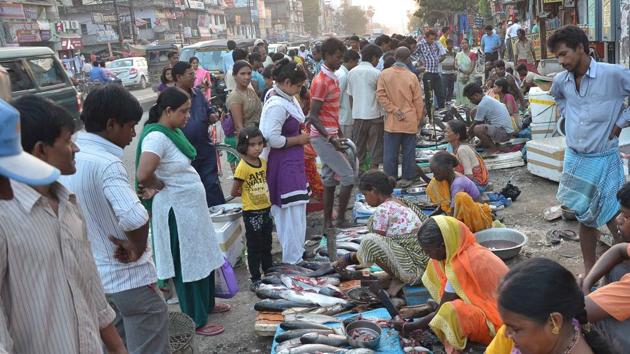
x,y
311,298
312,265
329,291
311,348
266,291
334,340
350,246
289,325
356,351
292,343
331,310
297,310
272,279
277,305
311,317
325,269
289,269
317,281
297,333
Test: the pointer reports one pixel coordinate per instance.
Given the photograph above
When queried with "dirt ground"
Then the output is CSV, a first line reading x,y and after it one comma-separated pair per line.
x,y
525,215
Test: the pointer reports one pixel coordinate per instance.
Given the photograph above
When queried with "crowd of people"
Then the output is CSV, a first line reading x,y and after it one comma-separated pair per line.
x,y
67,204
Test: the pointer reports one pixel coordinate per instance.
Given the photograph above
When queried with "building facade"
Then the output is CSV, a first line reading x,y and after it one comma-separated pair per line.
x,y
287,19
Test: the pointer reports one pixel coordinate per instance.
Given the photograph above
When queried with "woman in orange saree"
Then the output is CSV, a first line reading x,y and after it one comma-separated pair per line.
x,y
463,277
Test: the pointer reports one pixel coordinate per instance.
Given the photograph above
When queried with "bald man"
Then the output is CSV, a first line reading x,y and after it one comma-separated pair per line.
x,y
399,93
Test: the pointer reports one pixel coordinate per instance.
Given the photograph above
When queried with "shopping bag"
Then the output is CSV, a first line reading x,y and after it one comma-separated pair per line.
x,y
226,285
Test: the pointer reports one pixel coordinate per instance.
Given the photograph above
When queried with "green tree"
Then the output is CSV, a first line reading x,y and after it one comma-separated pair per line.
x,y
311,13
415,23
433,11
354,20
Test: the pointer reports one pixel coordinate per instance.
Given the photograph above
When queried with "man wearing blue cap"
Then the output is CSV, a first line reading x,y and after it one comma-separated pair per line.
x,y
52,299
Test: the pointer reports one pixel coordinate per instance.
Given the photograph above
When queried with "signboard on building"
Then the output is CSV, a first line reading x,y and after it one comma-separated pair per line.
x,y
31,12
197,5
11,11
607,27
71,43
27,36
45,35
552,1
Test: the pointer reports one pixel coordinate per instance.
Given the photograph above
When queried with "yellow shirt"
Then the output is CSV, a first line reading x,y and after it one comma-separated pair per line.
x,y
255,192
443,41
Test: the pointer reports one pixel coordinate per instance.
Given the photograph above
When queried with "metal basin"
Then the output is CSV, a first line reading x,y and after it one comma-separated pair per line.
x,y
226,212
363,334
503,242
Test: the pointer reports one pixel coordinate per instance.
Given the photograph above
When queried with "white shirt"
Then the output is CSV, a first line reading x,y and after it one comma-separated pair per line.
x,y
512,31
345,113
362,82
184,193
110,207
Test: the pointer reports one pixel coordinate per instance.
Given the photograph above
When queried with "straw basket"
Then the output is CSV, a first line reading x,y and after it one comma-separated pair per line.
x,y
182,333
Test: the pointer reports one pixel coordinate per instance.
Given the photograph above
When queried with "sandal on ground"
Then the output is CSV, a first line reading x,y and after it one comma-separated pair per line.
x,y
221,308
210,329
567,235
553,238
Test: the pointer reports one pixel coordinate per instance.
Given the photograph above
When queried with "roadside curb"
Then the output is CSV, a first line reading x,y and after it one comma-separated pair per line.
x,y
147,101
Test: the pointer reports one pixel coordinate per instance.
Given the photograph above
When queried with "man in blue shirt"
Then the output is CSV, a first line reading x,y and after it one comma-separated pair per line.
x,y
591,97
98,74
196,130
490,44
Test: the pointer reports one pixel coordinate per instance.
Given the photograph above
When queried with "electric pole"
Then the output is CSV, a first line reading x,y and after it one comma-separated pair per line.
x,y
119,27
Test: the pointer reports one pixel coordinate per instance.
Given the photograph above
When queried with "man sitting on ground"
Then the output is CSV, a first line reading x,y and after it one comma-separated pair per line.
x,y
493,123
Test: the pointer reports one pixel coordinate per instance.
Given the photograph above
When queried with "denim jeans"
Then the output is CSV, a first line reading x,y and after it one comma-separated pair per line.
x,y
392,144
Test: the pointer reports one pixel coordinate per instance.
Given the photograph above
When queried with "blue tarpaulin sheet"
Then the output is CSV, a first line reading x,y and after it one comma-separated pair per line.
x,y
390,341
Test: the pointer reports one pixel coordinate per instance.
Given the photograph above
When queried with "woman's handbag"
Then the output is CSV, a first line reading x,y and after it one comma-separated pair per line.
x,y
226,285
227,123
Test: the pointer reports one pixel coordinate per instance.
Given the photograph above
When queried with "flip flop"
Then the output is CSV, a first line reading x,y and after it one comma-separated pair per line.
x,y
221,308
553,237
210,329
567,235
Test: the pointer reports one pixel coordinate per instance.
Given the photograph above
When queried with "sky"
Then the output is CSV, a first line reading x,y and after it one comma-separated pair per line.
x,y
392,13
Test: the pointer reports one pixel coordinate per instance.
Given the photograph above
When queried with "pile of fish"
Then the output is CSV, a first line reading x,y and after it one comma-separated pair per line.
x,y
307,333
311,289
348,241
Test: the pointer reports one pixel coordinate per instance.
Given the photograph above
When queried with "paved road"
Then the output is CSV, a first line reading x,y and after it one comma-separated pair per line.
x,y
147,98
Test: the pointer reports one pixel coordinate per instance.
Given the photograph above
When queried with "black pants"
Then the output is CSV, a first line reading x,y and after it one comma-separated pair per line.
x,y
433,82
449,86
258,229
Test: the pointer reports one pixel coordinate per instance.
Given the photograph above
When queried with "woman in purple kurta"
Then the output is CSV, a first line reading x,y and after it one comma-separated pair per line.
x,y
280,124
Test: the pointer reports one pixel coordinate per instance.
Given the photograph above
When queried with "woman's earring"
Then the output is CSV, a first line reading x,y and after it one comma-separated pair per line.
x,y
555,329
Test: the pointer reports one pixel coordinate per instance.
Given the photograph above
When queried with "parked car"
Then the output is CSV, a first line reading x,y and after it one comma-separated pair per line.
x,y
36,70
132,71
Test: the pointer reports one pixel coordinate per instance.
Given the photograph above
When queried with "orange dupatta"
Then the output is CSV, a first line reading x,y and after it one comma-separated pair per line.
x,y
475,273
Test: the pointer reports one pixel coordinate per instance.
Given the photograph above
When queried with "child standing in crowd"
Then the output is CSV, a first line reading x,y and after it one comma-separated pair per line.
x,y
250,182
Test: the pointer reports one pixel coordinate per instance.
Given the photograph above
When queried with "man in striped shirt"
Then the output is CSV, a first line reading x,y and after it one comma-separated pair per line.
x,y
326,135
51,299
117,223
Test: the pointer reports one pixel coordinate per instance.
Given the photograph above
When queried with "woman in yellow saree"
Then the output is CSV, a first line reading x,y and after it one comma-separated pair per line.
x,y
456,194
463,278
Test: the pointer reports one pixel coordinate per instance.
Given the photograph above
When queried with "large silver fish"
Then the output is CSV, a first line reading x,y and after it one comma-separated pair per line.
x,y
290,325
297,333
311,298
277,305
311,317
334,340
311,348
291,343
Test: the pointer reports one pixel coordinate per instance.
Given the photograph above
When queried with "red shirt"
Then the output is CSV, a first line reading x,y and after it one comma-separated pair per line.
x,y
325,88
